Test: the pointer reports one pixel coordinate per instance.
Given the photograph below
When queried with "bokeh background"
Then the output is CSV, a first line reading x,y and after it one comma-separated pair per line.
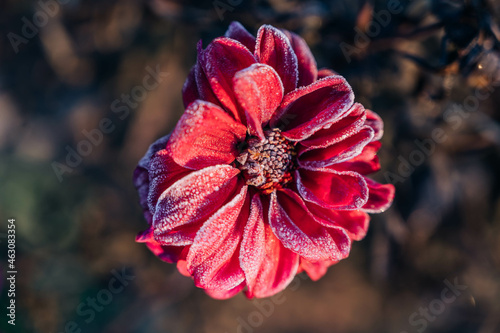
x,y
74,233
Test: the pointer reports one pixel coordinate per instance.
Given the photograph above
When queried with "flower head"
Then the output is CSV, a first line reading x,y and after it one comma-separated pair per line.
x,y
264,176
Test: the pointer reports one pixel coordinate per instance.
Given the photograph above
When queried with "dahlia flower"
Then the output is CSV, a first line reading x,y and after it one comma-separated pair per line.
x,y
264,175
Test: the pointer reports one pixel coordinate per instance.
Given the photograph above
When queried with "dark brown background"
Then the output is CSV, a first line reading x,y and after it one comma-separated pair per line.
x,y
71,235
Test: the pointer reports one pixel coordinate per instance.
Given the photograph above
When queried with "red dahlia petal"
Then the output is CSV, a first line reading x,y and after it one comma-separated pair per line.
x,y
324,72
238,32
365,163
220,61
306,110
213,259
168,254
277,269
274,49
345,126
380,196
297,229
354,222
225,294
374,121
163,172
253,244
259,91
204,136
331,189
308,71
317,269
338,152
194,198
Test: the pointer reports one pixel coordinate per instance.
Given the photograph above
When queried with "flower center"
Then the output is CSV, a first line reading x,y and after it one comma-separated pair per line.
x,y
267,164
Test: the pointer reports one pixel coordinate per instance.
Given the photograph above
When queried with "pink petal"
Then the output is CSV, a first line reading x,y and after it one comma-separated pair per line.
x,y
163,172
332,189
365,163
274,49
338,152
204,136
213,258
168,254
225,294
306,110
317,269
253,245
220,61
194,198
259,91
354,222
380,196
298,231
238,32
374,121
308,71
345,126
141,175
324,72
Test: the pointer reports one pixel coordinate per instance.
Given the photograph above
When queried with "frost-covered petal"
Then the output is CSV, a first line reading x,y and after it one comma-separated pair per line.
x,y
225,294
259,91
374,121
253,244
141,175
213,259
194,198
274,49
345,126
380,196
220,61
163,172
297,229
277,269
338,152
204,136
332,189
306,110
324,72
168,254
315,270
365,163
354,222
307,68
238,32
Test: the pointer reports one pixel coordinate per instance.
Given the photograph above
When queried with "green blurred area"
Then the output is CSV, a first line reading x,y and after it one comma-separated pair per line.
x,y
75,231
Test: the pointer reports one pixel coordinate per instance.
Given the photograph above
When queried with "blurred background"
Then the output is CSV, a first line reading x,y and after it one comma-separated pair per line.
x,y
70,69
